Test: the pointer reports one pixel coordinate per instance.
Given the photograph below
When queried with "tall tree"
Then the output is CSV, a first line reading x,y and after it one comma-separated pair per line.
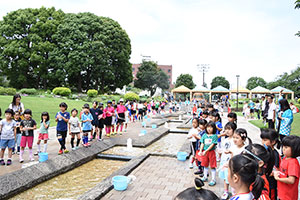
x,y
26,41
219,80
186,80
94,52
255,81
297,4
150,77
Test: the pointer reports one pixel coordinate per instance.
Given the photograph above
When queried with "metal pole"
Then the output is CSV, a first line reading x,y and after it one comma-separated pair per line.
x,y
237,93
203,77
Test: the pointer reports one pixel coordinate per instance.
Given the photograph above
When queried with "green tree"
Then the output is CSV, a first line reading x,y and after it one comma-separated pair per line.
x,y
150,77
93,52
26,42
297,4
186,80
255,81
219,80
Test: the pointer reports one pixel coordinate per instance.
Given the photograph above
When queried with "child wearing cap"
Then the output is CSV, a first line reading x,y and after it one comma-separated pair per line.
x,y
121,116
87,127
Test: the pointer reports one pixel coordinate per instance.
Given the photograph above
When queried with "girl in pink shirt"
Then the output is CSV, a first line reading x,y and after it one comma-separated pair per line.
x,y
121,116
108,112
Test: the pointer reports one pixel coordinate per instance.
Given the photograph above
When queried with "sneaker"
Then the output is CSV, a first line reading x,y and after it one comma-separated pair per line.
x,y
107,135
198,172
204,179
191,166
18,153
74,148
85,145
2,162
125,131
212,183
8,162
91,139
60,152
88,144
121,133
66,151
21,160
32,159
13,153
37,153
225,196
99,139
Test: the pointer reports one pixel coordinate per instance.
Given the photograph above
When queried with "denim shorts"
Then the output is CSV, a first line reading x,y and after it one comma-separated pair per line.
x,y
7,143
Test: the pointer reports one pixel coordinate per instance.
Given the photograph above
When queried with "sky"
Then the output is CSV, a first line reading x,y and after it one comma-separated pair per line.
x,y
235,37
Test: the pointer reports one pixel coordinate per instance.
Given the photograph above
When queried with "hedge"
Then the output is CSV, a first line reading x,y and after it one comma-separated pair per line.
x,y
29,91
131,96
63,91
8,91
92,93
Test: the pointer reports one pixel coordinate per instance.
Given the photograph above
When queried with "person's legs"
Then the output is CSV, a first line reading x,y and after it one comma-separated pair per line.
x,y
23,145
64,135
72,140
45,146
39,146
60,139
271,124
30,143
78,140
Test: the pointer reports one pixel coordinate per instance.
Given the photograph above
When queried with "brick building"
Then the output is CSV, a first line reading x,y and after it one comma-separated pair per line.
x,y
168,69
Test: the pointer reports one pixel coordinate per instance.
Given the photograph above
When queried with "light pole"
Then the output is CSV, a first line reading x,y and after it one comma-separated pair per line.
x,y
237,93
203,68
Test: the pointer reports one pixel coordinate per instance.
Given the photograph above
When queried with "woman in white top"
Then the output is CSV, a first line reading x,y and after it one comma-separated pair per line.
x,y
16,104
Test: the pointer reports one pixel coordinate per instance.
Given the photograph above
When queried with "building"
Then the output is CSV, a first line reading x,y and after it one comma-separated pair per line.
x,y
168,69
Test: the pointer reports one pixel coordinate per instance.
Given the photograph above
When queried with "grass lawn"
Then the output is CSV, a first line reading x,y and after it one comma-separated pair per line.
x,y
295,124
39,105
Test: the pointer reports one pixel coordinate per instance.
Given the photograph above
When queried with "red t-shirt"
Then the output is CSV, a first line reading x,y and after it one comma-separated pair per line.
x,y
121,109
265,193
288,167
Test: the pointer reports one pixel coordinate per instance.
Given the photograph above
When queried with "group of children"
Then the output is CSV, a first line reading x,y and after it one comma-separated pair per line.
x,y
252,171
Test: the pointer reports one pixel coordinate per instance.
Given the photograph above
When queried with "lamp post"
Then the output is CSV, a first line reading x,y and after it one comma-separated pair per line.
x,y
237,93
203,68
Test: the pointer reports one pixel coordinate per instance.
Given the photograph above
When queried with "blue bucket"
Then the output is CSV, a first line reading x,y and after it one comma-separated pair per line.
x,y
143,124
181,156
146,117
143,132
154,126
148,120
120,182
43,156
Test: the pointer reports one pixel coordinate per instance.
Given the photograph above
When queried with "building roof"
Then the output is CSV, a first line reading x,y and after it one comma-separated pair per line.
x,y
260,89
279,88
241,90
181,89
220,89
201,89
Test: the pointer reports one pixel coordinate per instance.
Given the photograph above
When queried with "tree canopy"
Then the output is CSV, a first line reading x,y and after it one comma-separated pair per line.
x,y
255,81
219,80
46,48
150,77
186,80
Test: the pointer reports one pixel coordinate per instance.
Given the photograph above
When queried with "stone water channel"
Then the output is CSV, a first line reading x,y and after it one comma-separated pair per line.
x,y
74,183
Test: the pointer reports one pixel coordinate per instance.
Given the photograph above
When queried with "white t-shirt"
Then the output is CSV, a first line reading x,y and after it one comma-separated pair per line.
x,y
74,124
272,108
191,133
236,150
245,196
7,132
226,144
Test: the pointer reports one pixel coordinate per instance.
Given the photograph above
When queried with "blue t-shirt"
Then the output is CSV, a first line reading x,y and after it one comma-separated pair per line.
x,y
86,126
251,104
61,124
219,125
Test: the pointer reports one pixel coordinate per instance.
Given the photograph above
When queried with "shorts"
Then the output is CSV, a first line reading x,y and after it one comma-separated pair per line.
x,y
101,123
121,118
75,133
108,121
209,159
28,140
95,122
251,110
140,111
61,134
9,143
153,107
223,174
133,112
43,136
86,131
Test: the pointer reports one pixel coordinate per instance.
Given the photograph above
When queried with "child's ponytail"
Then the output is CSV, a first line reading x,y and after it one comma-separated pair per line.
x,y
244,135
257,186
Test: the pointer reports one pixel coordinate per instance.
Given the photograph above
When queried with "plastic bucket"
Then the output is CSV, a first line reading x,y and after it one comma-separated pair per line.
x,y
154,126
146,117
43,156
148,120
181,156
143,124
120,182
143,132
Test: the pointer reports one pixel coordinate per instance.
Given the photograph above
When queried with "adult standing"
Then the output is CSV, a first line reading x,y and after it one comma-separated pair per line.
x,y
286,117
271,113
17,105
257,108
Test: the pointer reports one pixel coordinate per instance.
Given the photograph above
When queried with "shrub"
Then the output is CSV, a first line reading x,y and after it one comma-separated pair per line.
x,y
131,96
298,100
63,91
8,91
2,90
92,93
29,91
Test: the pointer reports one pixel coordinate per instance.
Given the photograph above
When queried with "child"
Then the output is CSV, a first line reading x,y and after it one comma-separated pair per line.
x,y
265,158
62,119
232,117
74,128
8,136
242,172
108,113
114,120
95,113
226,144
205,115
288,175
194,110
121,116
192,136
100,121
17,118
215,117
127,117
27,126
208,157
197,193
45,123
239,138
87,127
202,126
270,138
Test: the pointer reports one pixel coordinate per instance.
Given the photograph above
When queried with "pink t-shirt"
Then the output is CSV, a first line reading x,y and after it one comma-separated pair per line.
x,y
121,109
108,111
